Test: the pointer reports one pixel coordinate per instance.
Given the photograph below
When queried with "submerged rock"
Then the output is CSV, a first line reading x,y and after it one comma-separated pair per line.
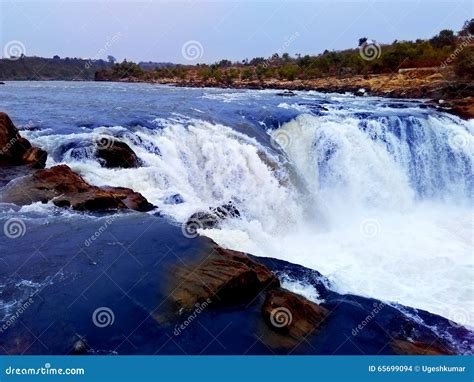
x,y
15,150
292,315
116,154
65,188
174,199
210,219
225,277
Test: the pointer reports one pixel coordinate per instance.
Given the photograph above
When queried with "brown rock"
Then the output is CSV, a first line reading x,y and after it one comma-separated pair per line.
x,y
404,347
15,150
225,277
292,316
133,200
116,154
67,189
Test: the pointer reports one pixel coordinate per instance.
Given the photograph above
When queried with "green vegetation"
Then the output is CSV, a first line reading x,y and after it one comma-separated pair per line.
x,y
56,68
447,48
387,58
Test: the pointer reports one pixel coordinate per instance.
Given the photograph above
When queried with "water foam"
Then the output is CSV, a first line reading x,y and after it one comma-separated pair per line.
x,y
388,208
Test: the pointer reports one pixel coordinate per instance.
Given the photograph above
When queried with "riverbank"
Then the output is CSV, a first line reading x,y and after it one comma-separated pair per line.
x,y
443,90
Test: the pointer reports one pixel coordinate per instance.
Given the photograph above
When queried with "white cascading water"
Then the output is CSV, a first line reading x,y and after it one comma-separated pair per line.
x,y
385,211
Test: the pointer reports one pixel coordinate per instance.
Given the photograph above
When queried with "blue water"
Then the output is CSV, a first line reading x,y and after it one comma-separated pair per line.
x,y
375,194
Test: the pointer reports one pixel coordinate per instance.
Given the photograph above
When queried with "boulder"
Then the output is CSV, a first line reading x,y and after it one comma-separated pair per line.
x,y
115,154
225,277
404,347
210,219
292,315
65,188
15,150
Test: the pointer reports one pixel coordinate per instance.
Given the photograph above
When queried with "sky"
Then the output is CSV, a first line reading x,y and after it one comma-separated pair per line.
x,y
194,31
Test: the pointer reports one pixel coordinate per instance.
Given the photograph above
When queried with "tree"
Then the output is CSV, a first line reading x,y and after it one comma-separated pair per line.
x,y
362,41
468,28
445,37
56,57
111,59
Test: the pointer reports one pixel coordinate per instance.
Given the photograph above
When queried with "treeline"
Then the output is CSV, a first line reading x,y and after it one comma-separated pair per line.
x,y
39,68
56,68
447,48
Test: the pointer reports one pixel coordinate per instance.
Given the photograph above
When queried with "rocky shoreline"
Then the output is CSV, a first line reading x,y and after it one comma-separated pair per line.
x,y
439,88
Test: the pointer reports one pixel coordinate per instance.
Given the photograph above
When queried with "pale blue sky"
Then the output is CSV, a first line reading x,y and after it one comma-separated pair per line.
x,y
157,30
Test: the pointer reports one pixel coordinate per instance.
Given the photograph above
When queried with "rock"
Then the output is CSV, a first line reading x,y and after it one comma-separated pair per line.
x,y
404,347
133,200
65,188
80,347
116,154
174,199
225,277
286,93
208,220
15,150
292,315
